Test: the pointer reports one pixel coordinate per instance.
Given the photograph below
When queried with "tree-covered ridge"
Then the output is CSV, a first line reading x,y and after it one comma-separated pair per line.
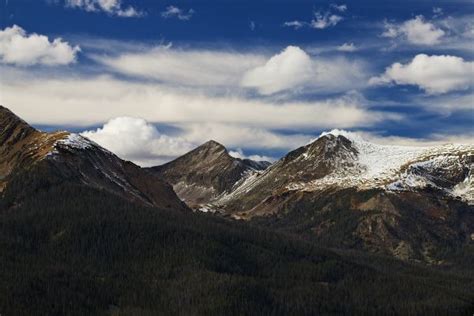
x,y
70,249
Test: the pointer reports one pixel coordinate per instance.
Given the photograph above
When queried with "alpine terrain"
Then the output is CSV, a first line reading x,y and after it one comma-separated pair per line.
x,y
410,202
83,232
32,159
206,173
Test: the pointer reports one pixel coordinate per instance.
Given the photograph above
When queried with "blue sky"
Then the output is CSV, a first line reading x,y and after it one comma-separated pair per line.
x,y
152,79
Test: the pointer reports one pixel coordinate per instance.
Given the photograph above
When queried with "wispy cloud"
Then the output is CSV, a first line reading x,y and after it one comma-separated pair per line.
x,y
295,24
324,20
175,12
340,7
111,7
415,31
252,25
347,47
321,19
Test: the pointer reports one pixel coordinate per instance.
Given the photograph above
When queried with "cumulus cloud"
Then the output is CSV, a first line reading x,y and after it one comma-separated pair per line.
x,y
189,68
139,141
22,49
416,31
175,12
434,74
347,47
294,69
111,7
325,20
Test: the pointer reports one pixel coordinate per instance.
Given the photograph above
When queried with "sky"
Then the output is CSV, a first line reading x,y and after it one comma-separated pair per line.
x,y
151,80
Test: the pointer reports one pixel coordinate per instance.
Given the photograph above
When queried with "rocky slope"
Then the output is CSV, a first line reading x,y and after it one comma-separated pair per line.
x,y
207,172
410,202
342,160
30,158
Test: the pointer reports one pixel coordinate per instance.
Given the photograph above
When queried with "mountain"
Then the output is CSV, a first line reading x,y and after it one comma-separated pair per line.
x,y
206,173
30,159
411,202
83,232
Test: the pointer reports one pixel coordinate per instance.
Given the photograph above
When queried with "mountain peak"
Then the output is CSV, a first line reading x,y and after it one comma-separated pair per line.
x,y
213,144
352,136
13,126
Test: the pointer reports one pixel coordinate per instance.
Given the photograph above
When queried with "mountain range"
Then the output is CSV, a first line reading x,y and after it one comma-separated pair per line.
x,y
415,203
338,226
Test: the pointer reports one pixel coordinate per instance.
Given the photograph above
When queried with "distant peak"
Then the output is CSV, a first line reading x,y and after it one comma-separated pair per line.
x,y
213,144
352,136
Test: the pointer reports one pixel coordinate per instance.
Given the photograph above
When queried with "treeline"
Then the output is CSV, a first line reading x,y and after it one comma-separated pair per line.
x,y
71,250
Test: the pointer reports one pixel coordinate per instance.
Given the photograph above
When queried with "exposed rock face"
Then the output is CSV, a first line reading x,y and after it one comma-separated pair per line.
x,y
206,172
63,156
411,202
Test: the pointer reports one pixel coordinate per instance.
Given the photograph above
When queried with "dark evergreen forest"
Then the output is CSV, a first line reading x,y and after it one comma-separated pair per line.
x,y
70,250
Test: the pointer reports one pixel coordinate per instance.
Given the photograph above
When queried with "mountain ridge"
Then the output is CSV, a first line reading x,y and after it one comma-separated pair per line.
x,y
206,172
414,203
68,157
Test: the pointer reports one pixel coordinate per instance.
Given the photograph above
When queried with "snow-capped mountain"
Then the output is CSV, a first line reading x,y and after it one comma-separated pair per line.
x,y
207,172
410,202
62,157
343,159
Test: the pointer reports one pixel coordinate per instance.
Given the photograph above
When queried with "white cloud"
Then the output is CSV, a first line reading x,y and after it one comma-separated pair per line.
x,y
289,69
294,69
434,74
22,49
416,31
74,101
139,141
241,135
189,68
321,19
347,47
295,24
175,12
238,153
325,20
435,139
449,103
340,8
111,7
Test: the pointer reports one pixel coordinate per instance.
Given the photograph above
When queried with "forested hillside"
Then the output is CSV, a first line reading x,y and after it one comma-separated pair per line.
x,y
70,249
